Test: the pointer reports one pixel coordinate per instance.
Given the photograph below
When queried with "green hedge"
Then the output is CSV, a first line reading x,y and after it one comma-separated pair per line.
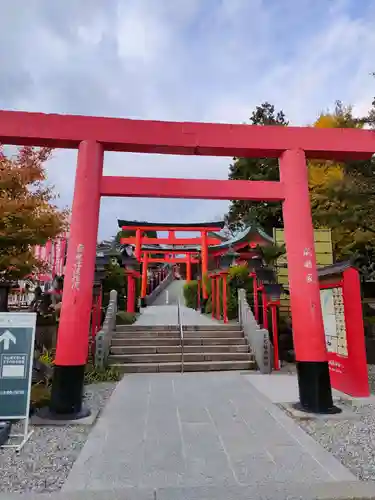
x,y
125,318
191,294
238,277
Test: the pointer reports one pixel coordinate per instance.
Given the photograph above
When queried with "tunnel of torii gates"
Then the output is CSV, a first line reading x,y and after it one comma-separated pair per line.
x,y
208,247
188,251
92,136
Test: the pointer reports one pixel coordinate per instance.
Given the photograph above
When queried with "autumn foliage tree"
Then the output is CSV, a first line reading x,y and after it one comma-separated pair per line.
x,y
28,215
343,194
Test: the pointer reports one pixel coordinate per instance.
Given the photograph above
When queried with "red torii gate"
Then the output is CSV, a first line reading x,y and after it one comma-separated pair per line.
x,y
144,255
92,136
191,257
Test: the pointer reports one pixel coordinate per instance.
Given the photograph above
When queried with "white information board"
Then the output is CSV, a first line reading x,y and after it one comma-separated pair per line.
x,y
332,304
17,337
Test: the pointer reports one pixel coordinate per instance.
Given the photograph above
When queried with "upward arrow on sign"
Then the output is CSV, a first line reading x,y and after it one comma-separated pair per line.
x,y
7,337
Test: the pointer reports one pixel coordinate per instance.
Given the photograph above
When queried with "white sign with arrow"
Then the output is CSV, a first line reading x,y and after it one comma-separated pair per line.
x,y
7,337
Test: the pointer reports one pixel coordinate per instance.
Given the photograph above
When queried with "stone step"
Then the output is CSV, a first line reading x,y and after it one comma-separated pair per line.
x,y
188,367
165,341
168,328
176,357
165,349
188,334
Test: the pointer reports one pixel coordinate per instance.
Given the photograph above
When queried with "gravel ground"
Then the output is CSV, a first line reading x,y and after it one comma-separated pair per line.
x,y
371,378
45,461
350,441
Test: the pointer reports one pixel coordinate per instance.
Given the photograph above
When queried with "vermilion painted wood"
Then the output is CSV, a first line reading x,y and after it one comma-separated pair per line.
x,y
189,261
174,251
166,227
138,238
302,270
169,241
225,313
130,299
72,341
173,260
204,258
144,276
182,138
213,295
195,189
218,312
349,373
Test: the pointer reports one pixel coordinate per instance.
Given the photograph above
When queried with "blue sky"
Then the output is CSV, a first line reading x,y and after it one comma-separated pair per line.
x,y
194,60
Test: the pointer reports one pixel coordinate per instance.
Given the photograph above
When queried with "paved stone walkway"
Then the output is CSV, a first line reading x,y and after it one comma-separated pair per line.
x,y
166,314
171,294
182,433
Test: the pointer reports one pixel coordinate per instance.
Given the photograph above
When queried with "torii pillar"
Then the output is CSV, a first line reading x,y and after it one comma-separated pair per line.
x,y
73,340
188,267
307,320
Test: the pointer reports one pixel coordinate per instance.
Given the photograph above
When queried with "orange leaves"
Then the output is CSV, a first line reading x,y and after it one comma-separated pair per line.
x,y
326,121
28,216
342,194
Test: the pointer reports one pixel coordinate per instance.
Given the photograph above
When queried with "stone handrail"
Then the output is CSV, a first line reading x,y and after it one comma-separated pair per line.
x,y
160,288
104,336
257,337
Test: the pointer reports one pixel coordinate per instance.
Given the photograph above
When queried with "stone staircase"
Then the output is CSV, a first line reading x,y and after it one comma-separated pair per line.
x,y
137,349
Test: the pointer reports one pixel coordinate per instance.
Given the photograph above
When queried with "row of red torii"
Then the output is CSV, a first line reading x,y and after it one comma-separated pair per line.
x,y
169,250
196,250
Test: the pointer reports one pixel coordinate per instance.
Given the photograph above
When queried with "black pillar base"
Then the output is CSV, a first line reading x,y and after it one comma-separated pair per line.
x,y
315,393
143,302
66,394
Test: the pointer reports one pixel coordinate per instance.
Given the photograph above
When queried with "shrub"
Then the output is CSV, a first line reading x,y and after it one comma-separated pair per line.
x,y
94,375
208,306
40,395
191,294
238,277
125,318
232,303
47,357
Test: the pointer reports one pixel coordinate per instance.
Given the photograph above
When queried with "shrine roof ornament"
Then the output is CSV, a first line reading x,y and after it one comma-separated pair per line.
x,y
243,236
337,268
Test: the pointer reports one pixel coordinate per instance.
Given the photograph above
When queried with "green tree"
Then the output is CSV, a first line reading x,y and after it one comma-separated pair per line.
x,y
131,233
241,212
369,119
342,194
114,279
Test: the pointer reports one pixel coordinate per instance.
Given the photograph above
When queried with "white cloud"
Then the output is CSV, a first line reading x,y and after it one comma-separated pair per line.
x,y
184,60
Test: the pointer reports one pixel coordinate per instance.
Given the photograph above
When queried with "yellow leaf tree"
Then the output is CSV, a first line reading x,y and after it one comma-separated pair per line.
x,y
342,193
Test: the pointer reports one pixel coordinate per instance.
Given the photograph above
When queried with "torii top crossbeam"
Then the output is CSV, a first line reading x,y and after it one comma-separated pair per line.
x,y
183,138
171,226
